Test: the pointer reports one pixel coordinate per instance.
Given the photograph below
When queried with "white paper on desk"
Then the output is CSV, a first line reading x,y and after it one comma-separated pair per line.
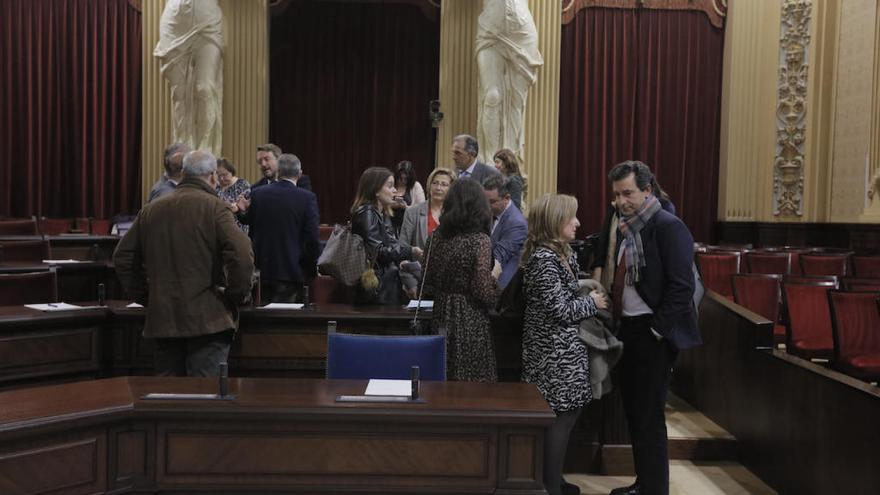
x,y
424,305
53,306
60,262
134,305
283,306
398,388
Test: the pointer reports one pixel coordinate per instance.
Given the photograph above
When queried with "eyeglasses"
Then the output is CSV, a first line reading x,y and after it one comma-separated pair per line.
x,y
438,183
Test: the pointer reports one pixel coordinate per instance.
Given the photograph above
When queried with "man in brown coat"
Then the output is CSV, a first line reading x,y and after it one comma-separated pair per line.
x,y
188,263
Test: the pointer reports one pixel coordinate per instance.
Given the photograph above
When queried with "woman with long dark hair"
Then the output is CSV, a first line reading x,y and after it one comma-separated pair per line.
x,y
409,192
371,219
459,276
508,164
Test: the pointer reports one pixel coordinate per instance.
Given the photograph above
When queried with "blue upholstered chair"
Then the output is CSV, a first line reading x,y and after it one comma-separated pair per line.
x,y
356,356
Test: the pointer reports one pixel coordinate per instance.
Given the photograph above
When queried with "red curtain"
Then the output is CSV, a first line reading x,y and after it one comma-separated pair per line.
x,y
349,88
70,107
641,84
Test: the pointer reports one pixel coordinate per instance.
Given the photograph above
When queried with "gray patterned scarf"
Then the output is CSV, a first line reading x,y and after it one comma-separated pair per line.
x,y
630,227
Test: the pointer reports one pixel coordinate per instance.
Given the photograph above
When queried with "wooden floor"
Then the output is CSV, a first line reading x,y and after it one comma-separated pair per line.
x,y
687,477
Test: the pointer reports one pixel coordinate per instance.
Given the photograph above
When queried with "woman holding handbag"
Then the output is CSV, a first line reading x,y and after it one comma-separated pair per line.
x,y
371,219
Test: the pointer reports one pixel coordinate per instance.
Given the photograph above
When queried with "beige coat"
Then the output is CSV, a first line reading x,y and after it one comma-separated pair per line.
x,y
185,259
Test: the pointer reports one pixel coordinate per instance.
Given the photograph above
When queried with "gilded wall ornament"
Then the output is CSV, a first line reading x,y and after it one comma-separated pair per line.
x,y
791,109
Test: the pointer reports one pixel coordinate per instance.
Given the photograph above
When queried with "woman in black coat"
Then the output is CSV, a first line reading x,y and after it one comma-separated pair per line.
x,y
371,219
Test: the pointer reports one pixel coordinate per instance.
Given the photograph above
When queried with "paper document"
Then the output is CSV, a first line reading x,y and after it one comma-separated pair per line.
x,y
60,262
55,306
283,306
398,388
423,305
134,305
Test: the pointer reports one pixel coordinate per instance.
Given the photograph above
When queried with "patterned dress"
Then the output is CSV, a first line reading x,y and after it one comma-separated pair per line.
x,y
230,195
459,278
554,357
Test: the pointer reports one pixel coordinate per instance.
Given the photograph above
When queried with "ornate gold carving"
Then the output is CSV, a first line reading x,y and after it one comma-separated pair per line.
x,y
791,109
715,10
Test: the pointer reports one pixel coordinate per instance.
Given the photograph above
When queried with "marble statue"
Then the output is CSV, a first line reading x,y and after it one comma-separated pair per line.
x,y
190,51
874,195
507,60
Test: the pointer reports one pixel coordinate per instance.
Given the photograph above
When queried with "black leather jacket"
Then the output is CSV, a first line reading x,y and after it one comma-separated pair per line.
x,y
386,252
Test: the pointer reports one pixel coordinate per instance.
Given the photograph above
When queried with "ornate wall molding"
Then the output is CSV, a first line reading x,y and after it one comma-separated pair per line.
x,y
715,10
791,109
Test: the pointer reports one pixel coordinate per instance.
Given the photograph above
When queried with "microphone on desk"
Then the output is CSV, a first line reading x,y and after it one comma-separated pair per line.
x,y
414,378
414,326
224,379
101,294
305,296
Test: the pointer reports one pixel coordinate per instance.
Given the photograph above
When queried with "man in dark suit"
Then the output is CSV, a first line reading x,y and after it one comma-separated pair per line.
x,y
464,154
283,221
509,227
267,160
172,160
653,305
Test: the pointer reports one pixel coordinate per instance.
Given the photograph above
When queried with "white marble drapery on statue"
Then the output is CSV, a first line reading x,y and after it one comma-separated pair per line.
x,y
190,50
508,60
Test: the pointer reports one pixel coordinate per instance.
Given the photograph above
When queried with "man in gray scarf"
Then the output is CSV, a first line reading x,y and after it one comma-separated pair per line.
x,y
654,310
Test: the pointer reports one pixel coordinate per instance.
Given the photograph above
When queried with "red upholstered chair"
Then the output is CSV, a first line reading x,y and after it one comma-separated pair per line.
x,y
825,264
28,288
100,226
808,323
36,251
326,290
18,227
867,266
768,262
81,224
55,226
716,269
761,293
855,324
853,284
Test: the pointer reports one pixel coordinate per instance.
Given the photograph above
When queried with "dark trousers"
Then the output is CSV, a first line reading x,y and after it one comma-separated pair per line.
x,y
645,370
555,444
193,356
278,291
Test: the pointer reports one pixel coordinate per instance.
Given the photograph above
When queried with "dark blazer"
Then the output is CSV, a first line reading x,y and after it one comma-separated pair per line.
x,y
303,182
667,282
483,171
283,221
507,242
162,187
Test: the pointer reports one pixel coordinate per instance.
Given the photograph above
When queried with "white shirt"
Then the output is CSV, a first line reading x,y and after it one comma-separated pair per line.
x,y
632,302
496,220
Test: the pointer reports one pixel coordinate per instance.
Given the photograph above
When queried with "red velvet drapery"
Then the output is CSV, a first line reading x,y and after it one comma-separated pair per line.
x,y
349,88
70,107
641,84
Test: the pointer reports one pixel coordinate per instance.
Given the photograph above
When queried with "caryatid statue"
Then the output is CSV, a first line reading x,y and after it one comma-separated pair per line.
x,y
508,60
190,50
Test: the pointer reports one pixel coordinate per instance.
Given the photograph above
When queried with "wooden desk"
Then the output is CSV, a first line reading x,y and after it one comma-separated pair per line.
x,y
83,247
293,343
279,435
77,282
281,343
65,344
